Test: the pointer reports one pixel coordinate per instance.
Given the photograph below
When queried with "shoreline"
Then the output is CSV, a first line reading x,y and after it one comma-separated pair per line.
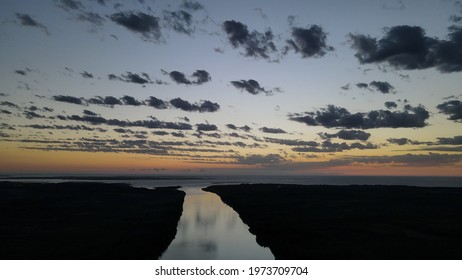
x,y
86,220
350,222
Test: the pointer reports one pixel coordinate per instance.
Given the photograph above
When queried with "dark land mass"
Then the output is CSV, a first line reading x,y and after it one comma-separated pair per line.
x,y
86,221
350,222
102,178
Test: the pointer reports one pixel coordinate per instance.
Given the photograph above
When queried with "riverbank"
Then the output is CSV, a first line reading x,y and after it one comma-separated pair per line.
x,y
350,222
86,220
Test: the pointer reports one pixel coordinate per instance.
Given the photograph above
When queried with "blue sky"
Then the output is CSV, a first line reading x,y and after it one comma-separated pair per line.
x,y
247,86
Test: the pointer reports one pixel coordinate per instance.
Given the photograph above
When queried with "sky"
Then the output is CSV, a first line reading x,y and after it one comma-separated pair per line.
x,y
231,87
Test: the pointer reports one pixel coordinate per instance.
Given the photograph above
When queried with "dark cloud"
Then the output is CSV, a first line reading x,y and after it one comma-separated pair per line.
x,y
456,140
205,106
191,5
91,17
431,159
9,104
69,99
147,26
33,115
347,135
89,113
330,147
130,77
362,85
201,77
20,72
309,42
206,127
406,141
453,108
160,133
390,105
178,134
289,142
153,123
383,87
251,86
407,47
27,20
6,112
68,127
245,128
334,116
108,100
129,100
255,44
69,4
156,103
87,75
180,21
272,130
255,159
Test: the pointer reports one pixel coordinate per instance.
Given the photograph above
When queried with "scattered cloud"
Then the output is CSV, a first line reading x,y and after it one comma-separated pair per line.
x,y
180,21
391,105
156,103
309,42
256,159
206,127
289,142
204,106
407,47
347,135
255,44
69,99
191,5
201,77
69,5
130,77
383,87
253,87
86,75
453,108
27,20
333,116
272,130
147,26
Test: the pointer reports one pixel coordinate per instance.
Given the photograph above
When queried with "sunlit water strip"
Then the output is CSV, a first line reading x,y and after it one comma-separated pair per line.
x,y
209,229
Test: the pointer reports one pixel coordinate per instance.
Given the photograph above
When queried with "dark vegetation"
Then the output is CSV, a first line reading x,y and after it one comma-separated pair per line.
x,y
86,221
350,222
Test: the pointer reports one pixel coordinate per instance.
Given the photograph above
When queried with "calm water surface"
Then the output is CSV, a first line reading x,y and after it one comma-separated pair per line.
x,y
209,229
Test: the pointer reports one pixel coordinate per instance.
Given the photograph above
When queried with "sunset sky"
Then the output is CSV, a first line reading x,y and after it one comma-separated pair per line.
x,y
231,87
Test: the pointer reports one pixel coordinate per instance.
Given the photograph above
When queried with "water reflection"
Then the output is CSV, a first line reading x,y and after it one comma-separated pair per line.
x,y
210,229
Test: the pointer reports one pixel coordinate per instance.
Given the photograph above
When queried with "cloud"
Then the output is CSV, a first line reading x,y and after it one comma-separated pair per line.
x,y
456,140
129,100
108,100
68,127
255,159
191,5
89,113
333,116
156,103
390,105
205,106
91,17
272,130
255,44
347,135
9,104
431,159
153,123
383,87
69,99
289,142
251,86
130,77
309,42
147,26
453,108
180,21
245,128
201,77
6,112
330,147
87,75
178,134
69,4
407,47
206,127
27,20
